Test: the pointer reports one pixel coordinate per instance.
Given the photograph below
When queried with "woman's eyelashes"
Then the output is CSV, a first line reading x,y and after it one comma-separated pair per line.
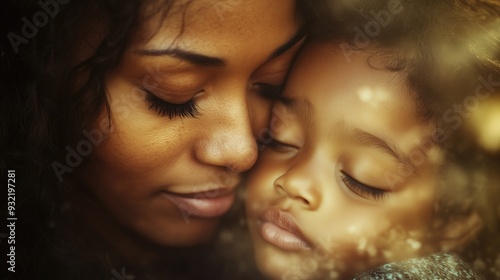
x,y
361,189
189,109
164,108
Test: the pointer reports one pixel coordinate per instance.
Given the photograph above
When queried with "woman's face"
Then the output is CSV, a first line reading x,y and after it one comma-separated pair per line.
x,y
189,99
348,182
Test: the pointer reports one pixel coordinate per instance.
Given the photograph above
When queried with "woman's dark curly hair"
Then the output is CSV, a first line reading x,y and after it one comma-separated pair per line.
x,y
52,88
446,50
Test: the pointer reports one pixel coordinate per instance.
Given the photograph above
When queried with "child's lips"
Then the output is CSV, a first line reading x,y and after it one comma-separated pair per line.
x,y
279,228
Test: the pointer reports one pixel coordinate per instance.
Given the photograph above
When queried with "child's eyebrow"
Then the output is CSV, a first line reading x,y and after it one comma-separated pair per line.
x,y
304,109
361,137
384,145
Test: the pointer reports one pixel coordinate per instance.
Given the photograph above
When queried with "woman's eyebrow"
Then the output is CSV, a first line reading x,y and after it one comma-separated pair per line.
x,y
299,35
189,56
210,61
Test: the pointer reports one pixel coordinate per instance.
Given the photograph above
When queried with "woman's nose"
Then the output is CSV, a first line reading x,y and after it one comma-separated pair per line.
x,y
300,185
229,142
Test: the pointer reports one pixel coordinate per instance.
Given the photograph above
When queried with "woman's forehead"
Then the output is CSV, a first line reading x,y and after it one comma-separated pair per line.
x,y
228,24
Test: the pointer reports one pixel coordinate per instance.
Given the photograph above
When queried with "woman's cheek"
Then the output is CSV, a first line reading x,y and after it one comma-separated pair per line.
x,y
132,148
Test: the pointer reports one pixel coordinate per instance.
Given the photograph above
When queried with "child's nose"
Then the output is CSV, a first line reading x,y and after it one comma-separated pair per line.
x,y
301,187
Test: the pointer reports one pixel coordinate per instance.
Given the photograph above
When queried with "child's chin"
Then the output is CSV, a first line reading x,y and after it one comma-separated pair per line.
x,y
272,270
277,264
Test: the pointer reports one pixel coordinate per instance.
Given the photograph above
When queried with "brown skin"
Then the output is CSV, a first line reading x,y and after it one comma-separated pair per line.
x,y
146,153
301,174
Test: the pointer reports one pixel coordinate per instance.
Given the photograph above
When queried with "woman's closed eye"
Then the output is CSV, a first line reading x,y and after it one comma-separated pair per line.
x,y
361,189
189,109
268,91
163,108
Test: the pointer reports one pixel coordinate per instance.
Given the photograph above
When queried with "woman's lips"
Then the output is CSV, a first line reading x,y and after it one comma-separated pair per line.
x,y
280,229
209,204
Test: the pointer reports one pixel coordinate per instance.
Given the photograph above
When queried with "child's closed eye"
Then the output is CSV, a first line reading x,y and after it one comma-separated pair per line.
x,y
281,147
361,189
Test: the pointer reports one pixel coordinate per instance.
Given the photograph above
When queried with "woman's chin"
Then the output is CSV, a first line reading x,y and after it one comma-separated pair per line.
x,y
182,234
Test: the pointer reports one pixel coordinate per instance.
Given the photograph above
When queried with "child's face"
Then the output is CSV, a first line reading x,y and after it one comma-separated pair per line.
x,y
348,182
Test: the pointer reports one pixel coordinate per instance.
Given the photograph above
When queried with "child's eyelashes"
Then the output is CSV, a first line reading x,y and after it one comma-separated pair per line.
x,y
281,147
361,189
164,108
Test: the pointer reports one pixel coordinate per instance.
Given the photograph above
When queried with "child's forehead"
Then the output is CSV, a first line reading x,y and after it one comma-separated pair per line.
x,y
326,88
325,72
